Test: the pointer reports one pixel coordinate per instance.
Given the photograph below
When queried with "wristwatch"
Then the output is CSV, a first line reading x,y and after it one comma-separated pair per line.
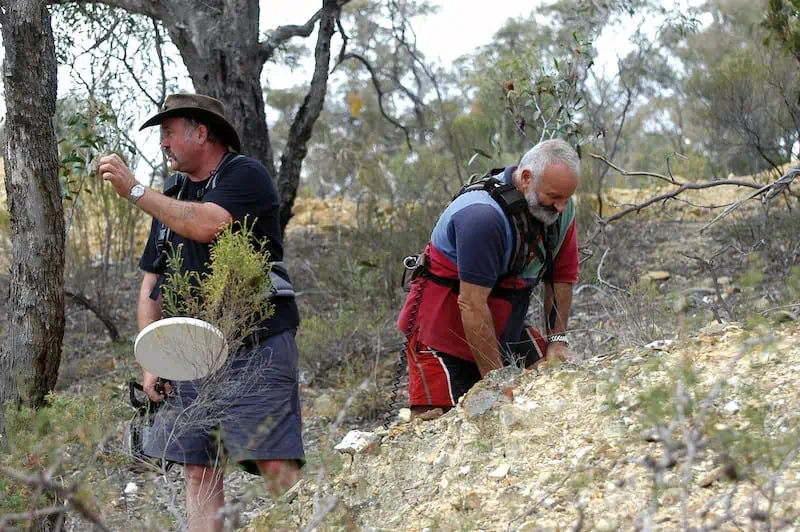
x,y
558,338
136,193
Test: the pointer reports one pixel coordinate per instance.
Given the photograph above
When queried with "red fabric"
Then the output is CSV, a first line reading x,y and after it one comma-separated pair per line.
x,y
438,318
565,264
428,380
431,383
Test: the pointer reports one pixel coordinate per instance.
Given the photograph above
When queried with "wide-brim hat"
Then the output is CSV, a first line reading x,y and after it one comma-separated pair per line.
x,y
204,109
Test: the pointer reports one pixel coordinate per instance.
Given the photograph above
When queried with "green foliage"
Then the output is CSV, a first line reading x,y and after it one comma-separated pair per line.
x,y
102,229
68,432
782,21
232,294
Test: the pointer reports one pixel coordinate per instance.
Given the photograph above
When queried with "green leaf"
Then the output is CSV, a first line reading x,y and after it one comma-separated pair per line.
x,y
72,158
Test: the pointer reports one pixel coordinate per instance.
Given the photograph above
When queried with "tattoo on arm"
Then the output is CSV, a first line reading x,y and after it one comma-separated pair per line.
x,y
184,210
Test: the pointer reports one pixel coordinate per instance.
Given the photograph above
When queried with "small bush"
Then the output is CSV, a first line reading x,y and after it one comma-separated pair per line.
x,y
71,432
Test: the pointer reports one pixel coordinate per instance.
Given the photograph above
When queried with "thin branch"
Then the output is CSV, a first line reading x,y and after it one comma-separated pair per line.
x,y
766,191
67,494
82,300
33,514
281,34
108,34
376,83
600,277
162,69
148,8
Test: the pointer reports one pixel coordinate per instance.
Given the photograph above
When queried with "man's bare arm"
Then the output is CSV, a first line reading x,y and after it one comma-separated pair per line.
x,y
557,317
479,326
196,221
148,310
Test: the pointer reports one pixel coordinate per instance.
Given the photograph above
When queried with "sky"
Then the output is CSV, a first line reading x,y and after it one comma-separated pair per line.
x,y
456,29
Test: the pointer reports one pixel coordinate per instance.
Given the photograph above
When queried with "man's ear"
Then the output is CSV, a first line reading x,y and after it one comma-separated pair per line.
x,y
525,178
202,133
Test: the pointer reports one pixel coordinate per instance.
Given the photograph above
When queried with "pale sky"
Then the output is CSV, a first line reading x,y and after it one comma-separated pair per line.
x,y
458,28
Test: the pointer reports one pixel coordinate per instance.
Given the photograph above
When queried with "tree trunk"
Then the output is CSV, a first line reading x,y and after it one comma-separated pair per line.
x,y
299,134
31,355
219,44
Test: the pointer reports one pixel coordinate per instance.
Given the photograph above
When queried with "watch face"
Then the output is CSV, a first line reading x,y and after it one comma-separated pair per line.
x,y
137,192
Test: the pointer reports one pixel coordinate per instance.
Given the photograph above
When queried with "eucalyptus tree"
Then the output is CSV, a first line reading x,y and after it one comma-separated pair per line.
x,y
31,353
224,52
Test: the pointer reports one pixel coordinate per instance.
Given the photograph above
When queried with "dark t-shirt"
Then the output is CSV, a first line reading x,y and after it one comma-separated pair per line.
x,y
244,188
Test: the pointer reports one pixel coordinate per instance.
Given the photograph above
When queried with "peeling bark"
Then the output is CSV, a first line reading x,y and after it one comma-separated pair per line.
x,y
30,356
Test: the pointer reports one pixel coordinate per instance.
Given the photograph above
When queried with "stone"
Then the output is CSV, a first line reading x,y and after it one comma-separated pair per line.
x,y
477,401
656,275
659,345
732,407
358,442
404,415
712,476
325,407
604,525
131,488
514,416
762,304
472,501
500,471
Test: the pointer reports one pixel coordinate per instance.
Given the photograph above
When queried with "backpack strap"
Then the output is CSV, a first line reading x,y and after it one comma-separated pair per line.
x,y
174,187
514,205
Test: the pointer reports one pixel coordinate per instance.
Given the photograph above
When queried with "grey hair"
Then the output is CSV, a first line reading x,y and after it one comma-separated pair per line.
x,y
193,124
548,152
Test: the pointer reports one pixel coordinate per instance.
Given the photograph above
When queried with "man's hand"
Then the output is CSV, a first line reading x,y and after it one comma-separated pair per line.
x,y
149,382
115,171
559,351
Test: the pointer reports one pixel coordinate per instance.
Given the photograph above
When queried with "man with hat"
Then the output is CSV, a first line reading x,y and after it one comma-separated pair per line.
x,y
261,427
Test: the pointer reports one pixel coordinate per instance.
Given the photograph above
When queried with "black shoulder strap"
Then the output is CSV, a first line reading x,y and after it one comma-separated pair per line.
x,y
515,207
550,240
226,160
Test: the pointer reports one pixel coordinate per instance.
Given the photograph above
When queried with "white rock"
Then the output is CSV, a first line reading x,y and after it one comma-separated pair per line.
x,y
659,345
732,407
357,441
500,471
404,416
580,453
605,526
131,488
465,470
511,415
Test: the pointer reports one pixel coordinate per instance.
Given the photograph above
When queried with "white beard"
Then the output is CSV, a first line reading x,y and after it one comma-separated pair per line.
x,y
546,215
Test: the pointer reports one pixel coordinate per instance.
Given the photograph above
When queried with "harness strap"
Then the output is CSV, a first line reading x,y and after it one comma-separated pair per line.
x,y
455,286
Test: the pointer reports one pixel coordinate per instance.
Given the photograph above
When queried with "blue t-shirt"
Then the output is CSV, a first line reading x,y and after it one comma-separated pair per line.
x,y
476,235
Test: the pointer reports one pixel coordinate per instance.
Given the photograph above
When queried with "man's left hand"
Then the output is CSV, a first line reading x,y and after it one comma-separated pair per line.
x,y
558,351
114,170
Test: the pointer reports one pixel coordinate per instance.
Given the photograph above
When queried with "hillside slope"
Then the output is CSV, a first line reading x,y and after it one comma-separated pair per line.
x,y
576,448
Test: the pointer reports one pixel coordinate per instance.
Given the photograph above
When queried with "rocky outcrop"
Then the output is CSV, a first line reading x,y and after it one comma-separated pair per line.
x,y
580,447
